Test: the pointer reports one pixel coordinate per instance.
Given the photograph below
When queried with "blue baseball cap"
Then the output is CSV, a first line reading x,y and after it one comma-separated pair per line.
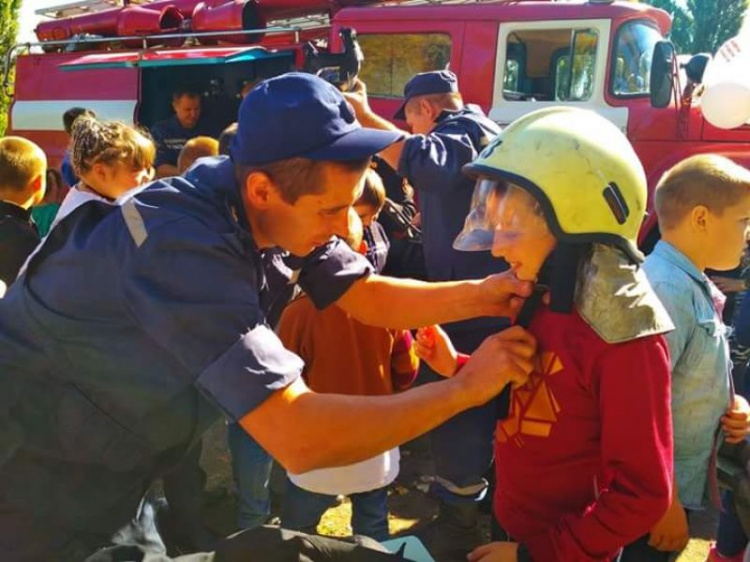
x,y
436,82
301,115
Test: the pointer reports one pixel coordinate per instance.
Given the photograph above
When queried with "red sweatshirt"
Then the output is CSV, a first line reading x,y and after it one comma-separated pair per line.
x,y
584,462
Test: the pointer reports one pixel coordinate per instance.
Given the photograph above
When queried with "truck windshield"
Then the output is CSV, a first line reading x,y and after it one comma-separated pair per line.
x,y
631,66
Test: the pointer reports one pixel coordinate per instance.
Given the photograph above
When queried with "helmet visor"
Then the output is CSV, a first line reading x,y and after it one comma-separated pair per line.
x,y
501,214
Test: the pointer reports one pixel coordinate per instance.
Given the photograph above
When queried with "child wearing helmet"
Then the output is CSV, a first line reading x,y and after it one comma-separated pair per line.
x,y
584,458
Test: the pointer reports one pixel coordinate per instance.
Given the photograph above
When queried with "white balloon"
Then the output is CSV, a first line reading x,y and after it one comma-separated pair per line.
x,y
726,99
726,105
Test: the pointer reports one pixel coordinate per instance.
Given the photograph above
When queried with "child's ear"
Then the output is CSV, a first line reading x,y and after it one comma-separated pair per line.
x,y
699,218
99,172
38,187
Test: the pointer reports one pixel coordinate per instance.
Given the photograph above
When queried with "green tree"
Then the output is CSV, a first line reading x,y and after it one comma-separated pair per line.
x,y
703,25
8,33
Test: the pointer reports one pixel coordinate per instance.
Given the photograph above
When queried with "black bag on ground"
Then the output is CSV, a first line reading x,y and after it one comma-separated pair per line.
x,y
267,544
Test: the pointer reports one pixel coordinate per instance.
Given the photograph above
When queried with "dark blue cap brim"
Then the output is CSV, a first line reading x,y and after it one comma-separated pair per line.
x,y
356,144
401,112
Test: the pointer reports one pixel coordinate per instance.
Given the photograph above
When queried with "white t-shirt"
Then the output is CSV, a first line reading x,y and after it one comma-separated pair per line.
x,y
356,478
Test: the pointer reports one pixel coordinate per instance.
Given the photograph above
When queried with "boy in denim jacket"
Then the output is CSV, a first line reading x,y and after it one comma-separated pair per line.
x,y
703,206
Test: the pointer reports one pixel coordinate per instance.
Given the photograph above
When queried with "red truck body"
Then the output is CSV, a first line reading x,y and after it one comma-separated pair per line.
x,y
510,57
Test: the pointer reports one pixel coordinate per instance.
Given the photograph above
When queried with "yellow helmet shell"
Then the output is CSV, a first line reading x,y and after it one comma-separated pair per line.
x,y
581,168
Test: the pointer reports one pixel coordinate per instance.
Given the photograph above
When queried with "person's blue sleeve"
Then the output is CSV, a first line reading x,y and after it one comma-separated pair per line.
x,y
163,153
195,293
328,272
433,162
67,172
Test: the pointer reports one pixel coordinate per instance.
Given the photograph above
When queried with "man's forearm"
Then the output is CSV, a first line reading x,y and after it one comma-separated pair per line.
x,y
405,303
392,154
304,430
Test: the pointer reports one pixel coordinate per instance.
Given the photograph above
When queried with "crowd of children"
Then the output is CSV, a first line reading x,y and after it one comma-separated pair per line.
x,y
612,444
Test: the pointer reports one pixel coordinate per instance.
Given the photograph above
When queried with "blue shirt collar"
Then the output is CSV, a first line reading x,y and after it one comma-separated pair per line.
x,y
215,177
468,109
668,252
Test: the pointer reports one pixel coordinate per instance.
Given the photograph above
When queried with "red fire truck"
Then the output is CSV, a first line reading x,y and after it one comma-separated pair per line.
x,y
121,58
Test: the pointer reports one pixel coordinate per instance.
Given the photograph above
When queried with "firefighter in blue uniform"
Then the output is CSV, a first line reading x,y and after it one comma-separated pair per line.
x,y
171,134
446,135
140,321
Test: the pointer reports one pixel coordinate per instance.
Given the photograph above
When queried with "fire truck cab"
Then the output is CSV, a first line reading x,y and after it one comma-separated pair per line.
x,y
511,57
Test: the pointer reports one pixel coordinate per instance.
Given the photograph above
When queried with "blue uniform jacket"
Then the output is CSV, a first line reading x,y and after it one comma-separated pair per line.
x,y
170,137
432,163
132,329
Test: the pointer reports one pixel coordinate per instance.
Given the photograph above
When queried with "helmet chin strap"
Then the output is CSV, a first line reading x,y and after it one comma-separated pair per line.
x,y
559,277
560,274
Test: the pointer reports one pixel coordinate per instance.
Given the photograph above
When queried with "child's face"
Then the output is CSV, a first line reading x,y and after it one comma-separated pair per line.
x,y
522,237
727,235
366,214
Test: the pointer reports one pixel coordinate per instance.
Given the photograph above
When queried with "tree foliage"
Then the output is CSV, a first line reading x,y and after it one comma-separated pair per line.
x,y
701,26
8,32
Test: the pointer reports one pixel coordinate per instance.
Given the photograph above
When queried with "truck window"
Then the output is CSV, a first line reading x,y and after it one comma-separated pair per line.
x,y
392,59
550,65
631,67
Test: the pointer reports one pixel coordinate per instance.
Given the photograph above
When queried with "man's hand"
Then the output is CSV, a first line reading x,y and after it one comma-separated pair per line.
x,y
504,294
729,285
507,357
357,96
671,533
495,552
435,348
735,422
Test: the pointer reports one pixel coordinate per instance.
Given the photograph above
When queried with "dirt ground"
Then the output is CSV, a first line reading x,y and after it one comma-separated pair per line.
x,y
409,504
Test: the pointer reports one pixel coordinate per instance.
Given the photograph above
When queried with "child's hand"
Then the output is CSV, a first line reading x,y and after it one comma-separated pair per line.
x,y
495,552
434,346
671,533
736,422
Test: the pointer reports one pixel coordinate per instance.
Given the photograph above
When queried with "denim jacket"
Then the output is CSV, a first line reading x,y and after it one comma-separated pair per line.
x,y
701,384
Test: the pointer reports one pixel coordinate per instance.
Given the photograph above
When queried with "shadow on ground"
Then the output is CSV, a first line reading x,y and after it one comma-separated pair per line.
x,y
409,505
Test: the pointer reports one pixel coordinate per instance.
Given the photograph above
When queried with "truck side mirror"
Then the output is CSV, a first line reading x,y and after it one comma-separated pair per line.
x,y
662,74
696,67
